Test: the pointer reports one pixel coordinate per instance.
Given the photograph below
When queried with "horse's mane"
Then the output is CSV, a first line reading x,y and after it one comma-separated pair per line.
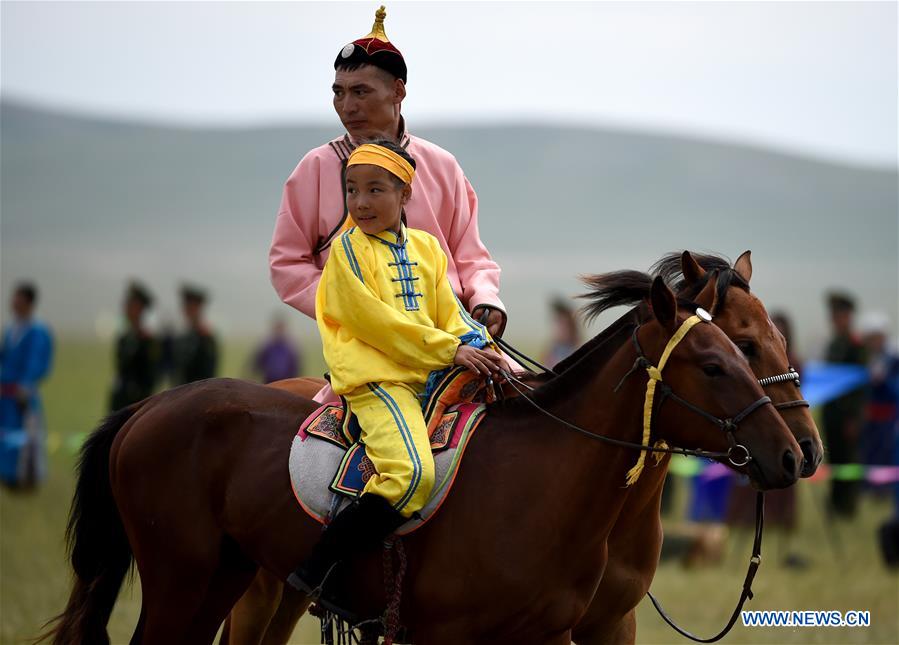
x,y
607,290
619,288
629,319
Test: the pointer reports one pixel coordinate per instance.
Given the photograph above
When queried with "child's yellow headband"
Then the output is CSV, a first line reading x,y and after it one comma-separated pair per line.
x,y
375,155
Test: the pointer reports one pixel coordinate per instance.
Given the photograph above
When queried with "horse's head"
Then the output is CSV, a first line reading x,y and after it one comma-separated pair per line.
x,y
744,319
710,398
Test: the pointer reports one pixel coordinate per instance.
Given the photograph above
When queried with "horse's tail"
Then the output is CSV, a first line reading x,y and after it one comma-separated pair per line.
x,y
98,547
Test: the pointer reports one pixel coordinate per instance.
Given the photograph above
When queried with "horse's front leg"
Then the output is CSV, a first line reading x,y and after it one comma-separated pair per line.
x,y
249,618
610,617
292,607
622,631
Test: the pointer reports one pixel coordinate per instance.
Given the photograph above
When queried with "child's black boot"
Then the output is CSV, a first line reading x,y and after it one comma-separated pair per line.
x,y
360,526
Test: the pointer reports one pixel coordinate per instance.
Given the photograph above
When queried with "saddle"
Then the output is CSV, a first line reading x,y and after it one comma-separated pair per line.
x,y
328,464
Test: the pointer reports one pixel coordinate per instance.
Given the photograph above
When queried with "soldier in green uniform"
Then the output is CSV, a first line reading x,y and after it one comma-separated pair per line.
x,y
136,352
196,350
842,417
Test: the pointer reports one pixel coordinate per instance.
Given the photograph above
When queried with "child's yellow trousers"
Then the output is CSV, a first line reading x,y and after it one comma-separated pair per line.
x,y
396,441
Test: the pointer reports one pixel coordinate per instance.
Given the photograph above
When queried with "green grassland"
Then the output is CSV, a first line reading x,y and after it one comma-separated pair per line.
x,y
34,576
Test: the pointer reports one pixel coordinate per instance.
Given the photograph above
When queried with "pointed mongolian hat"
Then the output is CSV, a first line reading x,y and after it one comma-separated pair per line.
x,y
373,49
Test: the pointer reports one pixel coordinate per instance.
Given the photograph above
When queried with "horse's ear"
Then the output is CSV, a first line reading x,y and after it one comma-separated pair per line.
x,y
690,268
664,306
743,266
708,297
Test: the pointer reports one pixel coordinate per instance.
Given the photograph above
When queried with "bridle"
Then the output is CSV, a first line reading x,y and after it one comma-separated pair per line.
x,y
790,375
729,425
737,454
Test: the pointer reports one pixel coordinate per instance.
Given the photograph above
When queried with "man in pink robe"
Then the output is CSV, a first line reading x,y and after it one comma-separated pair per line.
x,y
369,87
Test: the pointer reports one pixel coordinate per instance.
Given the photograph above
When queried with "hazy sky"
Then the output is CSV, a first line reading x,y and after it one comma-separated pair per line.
x,y
818,78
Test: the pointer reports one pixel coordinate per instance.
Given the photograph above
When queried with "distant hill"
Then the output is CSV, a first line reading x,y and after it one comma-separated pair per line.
x,y
88,202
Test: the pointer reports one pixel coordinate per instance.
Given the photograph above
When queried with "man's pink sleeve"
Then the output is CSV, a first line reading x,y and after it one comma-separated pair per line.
x,y
478,273
294,272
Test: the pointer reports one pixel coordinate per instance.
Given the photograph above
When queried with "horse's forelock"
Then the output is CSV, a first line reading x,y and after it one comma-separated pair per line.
x,y
669,267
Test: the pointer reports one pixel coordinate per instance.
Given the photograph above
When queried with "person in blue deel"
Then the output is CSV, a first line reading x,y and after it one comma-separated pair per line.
x,y
26,354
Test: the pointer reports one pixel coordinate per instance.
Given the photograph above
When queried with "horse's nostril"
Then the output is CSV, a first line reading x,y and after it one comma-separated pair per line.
x,y
789,462
810,456
808,449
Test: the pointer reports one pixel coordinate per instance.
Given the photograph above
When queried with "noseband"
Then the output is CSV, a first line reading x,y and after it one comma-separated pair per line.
x,y
790,375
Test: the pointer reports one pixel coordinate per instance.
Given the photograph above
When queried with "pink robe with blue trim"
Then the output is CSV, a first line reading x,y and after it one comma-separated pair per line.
x,y
443,203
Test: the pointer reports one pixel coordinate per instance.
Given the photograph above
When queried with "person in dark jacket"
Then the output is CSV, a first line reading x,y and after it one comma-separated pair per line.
x,y
842,417
196,350
136,352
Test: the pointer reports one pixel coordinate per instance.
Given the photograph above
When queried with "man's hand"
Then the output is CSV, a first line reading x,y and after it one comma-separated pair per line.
x,y
480,361
495,319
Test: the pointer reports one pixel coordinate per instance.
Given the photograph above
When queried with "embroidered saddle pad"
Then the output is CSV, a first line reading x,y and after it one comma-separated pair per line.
x,y
328,465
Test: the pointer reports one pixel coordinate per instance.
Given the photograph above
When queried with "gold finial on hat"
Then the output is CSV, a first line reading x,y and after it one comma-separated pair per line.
x,y
377,29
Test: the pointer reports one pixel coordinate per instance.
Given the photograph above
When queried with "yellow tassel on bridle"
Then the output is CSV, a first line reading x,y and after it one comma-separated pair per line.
x,y
655,376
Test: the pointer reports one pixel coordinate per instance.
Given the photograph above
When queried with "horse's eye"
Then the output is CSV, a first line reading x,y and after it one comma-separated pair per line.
x,y
711,369
747,347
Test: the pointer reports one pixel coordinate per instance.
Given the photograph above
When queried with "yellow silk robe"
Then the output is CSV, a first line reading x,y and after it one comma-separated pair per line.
x,y
386,311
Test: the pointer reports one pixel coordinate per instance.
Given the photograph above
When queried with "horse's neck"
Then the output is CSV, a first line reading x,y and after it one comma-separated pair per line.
x,y
644,498
585,475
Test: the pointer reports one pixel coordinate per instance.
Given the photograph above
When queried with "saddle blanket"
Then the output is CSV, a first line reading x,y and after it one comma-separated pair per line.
x,y
328,465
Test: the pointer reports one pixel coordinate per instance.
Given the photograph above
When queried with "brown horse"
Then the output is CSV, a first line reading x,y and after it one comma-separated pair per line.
x,y
194,483
631,565
269,610
635,540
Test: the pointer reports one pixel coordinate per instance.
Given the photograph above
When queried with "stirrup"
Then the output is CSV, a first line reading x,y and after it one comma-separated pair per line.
x,y
318,596
302,586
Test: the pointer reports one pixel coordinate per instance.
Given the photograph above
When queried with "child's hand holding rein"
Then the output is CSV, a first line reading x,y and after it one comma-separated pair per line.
x,y
481,361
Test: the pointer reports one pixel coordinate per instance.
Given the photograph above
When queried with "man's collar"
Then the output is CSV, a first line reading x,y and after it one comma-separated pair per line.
x,y
403,138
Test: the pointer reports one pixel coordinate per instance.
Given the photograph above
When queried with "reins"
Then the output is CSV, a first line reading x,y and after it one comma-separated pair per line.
x,y
511,351
754,562
515,381
521,356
